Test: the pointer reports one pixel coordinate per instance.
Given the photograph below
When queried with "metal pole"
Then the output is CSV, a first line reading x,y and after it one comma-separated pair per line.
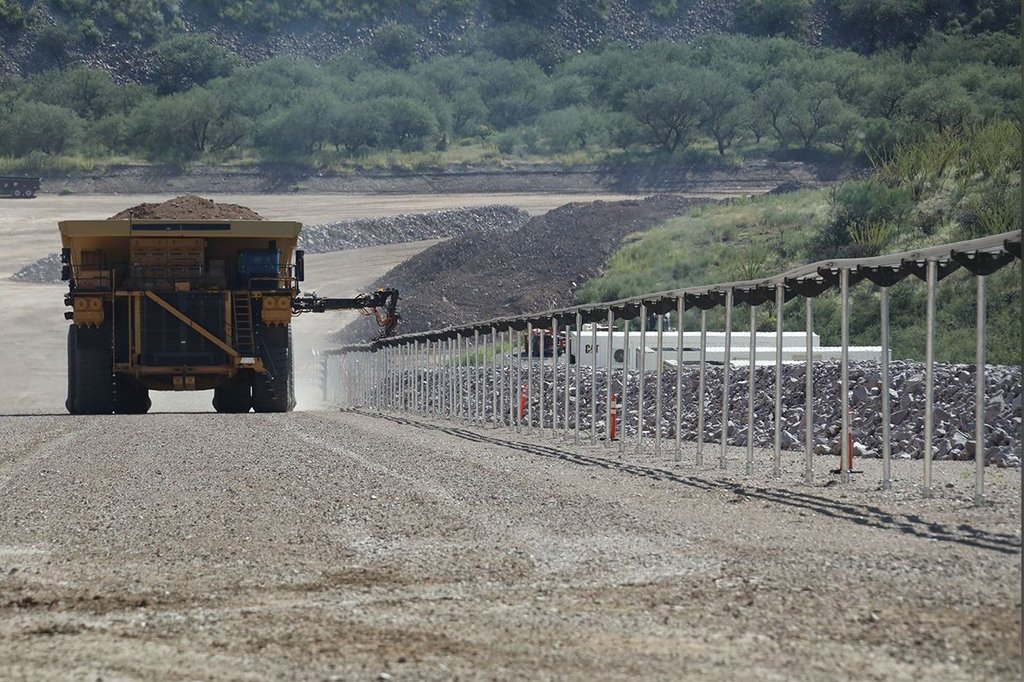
x,y
929,380
570,350
780,301
680,309
477,388
465,402
844,401
809,396
516,396
979,397
609,351
699,460
495,384
641,379
751,380
529,377
660,327
593,383
540,386
886,411
554,376
625,384
579,359
725,377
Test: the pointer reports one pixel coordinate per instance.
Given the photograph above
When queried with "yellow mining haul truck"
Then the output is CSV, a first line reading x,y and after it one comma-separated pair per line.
x,y
188,305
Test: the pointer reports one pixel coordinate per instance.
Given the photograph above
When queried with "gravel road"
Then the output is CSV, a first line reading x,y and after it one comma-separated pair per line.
x,y
340,545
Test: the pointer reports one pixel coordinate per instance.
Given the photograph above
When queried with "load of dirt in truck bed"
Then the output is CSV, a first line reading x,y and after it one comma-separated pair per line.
x,y
187,207
479,276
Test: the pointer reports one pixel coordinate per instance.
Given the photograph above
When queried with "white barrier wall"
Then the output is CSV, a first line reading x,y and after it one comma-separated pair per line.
x,y
794,348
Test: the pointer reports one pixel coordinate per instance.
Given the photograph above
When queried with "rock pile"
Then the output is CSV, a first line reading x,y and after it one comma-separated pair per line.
x,y
187,207
953,407
351,234
46,270
480,276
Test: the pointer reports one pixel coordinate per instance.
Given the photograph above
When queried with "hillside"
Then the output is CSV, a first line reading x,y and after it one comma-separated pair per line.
x,y
117,34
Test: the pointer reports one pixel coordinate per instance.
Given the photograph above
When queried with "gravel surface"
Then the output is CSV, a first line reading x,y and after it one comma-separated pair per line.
x,y
953,407
327,545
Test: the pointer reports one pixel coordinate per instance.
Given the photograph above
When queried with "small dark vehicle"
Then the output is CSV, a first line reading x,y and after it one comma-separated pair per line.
x,y
18,186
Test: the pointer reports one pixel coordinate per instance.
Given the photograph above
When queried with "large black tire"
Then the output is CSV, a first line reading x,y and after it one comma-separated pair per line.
x,y
232,397
130,397
94,370
274,391
69,403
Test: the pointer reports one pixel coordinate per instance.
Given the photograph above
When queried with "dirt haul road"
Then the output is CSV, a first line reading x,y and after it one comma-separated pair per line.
x,y
327,545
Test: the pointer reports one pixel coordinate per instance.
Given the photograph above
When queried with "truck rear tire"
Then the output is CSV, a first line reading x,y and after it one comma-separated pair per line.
x,y
94,370
69,403
274,391
130,397
232,397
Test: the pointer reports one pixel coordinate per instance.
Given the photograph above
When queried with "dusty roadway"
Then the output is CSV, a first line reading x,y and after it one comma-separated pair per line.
x,y
325,545
328,545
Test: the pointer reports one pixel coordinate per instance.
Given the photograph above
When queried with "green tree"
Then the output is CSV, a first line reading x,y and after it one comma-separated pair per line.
x,y
940,102
406,123
573,128
668,113
89,92
394,45
355,125
774,100
36,126
721,107
183,61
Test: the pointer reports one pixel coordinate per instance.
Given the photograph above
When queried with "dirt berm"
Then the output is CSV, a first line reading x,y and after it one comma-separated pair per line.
x,y
535,268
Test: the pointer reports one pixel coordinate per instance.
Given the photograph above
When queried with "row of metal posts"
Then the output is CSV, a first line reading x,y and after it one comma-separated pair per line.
x,y
452,379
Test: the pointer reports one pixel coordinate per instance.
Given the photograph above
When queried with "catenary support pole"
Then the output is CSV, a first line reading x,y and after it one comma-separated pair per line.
x,y
641,379
554,376
844,398
886,407
702,374
979,396
609,352
579,361
929,379
660,344
680,310
529,377
626,323
751,384
726,366
809,394
780,302
593,383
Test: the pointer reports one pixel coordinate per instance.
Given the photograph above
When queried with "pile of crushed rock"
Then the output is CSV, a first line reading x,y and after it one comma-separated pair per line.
x,y
953,407
351,234
187,207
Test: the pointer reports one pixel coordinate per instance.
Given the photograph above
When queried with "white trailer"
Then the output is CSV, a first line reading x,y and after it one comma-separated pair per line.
x,y
794,348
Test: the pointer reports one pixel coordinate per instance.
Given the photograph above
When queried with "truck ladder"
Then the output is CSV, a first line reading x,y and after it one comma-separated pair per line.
x,y
241,305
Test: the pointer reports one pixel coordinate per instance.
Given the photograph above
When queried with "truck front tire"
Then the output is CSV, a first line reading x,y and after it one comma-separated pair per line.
x,y
90,358
274,391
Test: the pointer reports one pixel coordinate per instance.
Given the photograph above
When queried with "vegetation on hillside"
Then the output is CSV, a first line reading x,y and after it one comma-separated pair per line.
x,y
949,186
504,96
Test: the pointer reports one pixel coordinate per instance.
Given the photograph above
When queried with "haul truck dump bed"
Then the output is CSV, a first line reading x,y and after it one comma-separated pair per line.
x,y
197,305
